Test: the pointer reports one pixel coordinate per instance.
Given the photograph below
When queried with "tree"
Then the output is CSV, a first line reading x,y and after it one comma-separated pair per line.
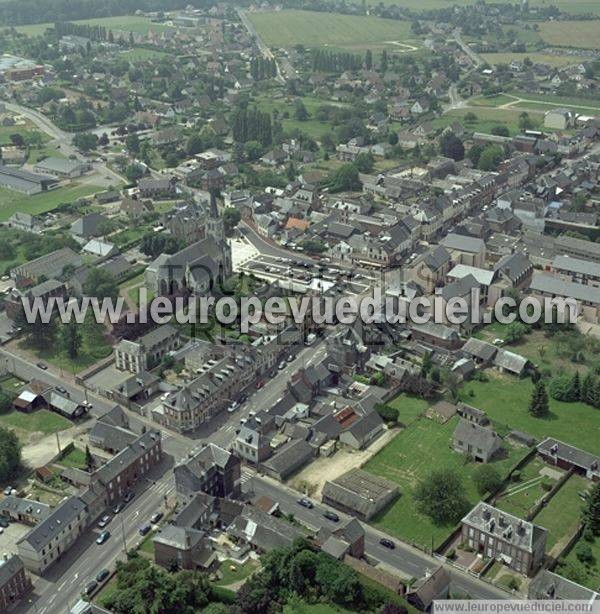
x,y
384,61
490,158
538,405
441,496
103,141
387,412
500,131
591,513
364,162
300,112
134,172
525,122
345,178
89,459
101,284
487,479
393,138
451,146
474,154
85,141
515,331
231,218
132,142
588,389
5,402
71,339
10,454
368,59
17,140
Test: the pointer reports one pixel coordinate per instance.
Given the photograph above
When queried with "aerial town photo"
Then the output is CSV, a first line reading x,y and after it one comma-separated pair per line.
x,y
299,306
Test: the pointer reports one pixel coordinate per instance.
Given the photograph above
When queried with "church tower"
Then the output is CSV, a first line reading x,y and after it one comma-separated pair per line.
x,y
215,230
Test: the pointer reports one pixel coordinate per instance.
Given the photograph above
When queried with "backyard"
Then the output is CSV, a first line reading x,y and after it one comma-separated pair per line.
x,y
233,572
588,574
487,118
39,421
506,398
415,452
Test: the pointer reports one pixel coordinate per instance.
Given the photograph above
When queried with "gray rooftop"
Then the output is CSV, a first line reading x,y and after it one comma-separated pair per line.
x,y
576,265
548,284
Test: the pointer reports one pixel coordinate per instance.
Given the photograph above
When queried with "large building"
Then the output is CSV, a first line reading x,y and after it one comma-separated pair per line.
x,y
568,457
359,493
49,266
14,68
24,181
53,536
147,351
61,167
501,536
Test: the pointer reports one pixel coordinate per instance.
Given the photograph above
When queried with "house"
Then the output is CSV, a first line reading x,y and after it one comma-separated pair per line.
x,y
427,589
61,167
347,538
363,430
291,457
420,106
25,511
477,441
135,208
101,249
147,351
359,494
472,414
53,536
498,535
14,582
90,225
184,548
548,585
569,457
23,221
161,188
559,119
213,471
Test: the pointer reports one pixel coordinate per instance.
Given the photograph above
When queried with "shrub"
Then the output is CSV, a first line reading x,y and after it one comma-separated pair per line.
x,y
584,554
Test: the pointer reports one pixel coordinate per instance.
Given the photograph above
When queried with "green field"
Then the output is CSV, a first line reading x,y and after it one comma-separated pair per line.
x,y
506,399
487,118
241,572
75,458
546,106
422,447
42,421
562,514
316,29
519,497
543,58
581,34
410,407
125,23
138,54
11,201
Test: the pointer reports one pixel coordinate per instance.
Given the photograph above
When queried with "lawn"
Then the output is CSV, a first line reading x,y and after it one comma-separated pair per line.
x,y
506,398
139,54
487,118
422,447
42,421
242,571
94,347
562,514
75,458
546,106
125,23
317,29
589,575
582,34
11,201
492,101
545,58
519,497
409,406
11,384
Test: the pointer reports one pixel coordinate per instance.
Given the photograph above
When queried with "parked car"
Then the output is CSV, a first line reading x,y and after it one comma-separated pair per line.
x,y
41,365
117,508
4,522
387,543
102,575
103,522
103,537
156,517
331,516
128,496
145,529
61,389
281,365
90,587
233,407
8,490
304,502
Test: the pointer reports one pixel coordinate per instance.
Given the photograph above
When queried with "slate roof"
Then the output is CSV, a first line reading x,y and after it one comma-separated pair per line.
x,y
571,454
480,437
548,585
576,265
515,363
463,243
19,505
289,457
513,265
479,349
9,568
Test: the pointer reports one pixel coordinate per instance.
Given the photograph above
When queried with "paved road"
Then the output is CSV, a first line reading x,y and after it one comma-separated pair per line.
x,y
61,586
475,58
404,559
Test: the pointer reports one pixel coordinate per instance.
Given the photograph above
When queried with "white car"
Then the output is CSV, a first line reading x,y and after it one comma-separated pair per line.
x,y
233,407
164,396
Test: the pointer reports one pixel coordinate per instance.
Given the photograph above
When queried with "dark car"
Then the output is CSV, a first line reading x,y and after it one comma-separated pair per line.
x,y
128,496
304,502
61,389
145,529
102,575
387,543
156,517
103,537
90,587
331,516
41,365
4,522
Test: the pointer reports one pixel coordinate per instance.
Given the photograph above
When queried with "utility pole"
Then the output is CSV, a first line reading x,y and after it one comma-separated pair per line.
x,y
124,541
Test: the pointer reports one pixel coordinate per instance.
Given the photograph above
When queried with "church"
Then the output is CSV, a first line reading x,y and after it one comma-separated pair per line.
x,y
197,267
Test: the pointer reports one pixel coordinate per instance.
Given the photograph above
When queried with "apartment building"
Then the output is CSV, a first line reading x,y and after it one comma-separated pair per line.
x,y
53,536
147,351
577,270
501,536
14,582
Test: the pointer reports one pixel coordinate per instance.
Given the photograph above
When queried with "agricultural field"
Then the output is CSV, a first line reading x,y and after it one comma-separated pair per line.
x,y
408,459
316,29
11,201
534,482
126,23
580,34
543,58
506,398
562,515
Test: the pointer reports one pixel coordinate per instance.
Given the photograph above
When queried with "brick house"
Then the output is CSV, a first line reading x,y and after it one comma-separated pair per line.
x,y
14,582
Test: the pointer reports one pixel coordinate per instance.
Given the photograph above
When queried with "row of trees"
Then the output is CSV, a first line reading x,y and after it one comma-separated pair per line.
x,y
263,68
251,125
572,388
93,32
335,62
